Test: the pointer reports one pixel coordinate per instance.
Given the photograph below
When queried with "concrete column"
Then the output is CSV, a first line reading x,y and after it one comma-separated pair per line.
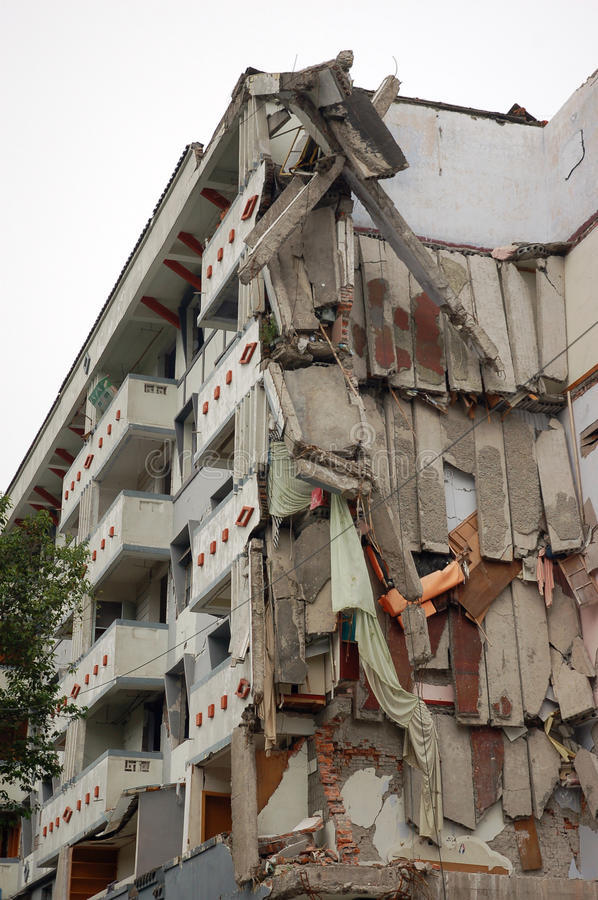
x,y
246,858
62,884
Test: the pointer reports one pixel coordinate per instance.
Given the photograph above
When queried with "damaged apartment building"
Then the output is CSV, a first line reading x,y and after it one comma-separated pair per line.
x,y
331,441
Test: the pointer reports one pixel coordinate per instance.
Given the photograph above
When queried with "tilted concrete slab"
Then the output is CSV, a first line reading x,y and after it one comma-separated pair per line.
x,y
558,492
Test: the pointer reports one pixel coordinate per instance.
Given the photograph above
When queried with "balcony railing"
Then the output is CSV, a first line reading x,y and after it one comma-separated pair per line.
x,y
136,526
82,806
129,655
143,408
219,540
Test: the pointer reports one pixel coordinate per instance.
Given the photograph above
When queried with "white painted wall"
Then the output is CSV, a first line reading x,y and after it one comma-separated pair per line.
x,y
288,804
142,521
212,530
223,682
128,649
581,277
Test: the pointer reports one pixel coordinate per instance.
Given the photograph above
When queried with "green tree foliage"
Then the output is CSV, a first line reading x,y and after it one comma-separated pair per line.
x,y
40,585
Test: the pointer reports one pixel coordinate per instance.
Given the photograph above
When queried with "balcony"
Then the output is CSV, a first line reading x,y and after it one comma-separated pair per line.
x,y
217,542
216,704
82,806
136,424
118,663
221,256
236,373
133,534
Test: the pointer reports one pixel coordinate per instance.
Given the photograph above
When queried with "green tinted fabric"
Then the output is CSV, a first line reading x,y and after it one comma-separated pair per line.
x,y
286,493
351,589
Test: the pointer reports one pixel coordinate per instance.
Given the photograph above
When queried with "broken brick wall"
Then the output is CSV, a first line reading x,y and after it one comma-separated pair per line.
x,y
359,764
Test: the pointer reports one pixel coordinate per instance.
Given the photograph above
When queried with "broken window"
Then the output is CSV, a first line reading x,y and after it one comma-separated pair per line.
x,y
588,439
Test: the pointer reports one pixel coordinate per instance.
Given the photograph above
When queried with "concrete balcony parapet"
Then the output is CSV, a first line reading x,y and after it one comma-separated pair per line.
x,y
128,656
143,409
83,805
134,531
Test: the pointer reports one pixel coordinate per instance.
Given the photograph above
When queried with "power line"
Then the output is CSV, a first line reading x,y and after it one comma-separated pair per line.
x,y
382,500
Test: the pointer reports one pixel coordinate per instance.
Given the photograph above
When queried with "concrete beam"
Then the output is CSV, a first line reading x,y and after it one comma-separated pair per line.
x,y
552,322
525,500
245,853
544,765
521,323
494,517
491,317
462,363
430,479
531,631
296,207
412,252
516,796
502,663
457,771
586,766
558,491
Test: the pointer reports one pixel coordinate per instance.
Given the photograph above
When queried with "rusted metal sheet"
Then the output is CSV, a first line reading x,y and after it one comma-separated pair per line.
x,y
487,752
486,578
467,656
528,844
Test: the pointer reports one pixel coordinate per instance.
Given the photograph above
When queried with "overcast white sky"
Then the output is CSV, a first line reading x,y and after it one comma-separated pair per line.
x,y
99,99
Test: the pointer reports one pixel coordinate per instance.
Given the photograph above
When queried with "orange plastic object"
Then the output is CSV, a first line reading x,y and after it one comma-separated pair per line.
x,y
392,602
439,582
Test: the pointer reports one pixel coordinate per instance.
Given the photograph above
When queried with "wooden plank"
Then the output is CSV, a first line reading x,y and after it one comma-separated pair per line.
x,y
528,844
491,316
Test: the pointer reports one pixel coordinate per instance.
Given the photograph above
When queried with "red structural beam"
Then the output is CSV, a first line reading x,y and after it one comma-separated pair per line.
x,y
76,430
190,241
181,270
60,472
161,310
65,455
46,495
38,507
216,198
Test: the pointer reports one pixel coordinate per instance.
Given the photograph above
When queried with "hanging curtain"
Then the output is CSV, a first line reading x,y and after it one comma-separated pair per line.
x,y
351,590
